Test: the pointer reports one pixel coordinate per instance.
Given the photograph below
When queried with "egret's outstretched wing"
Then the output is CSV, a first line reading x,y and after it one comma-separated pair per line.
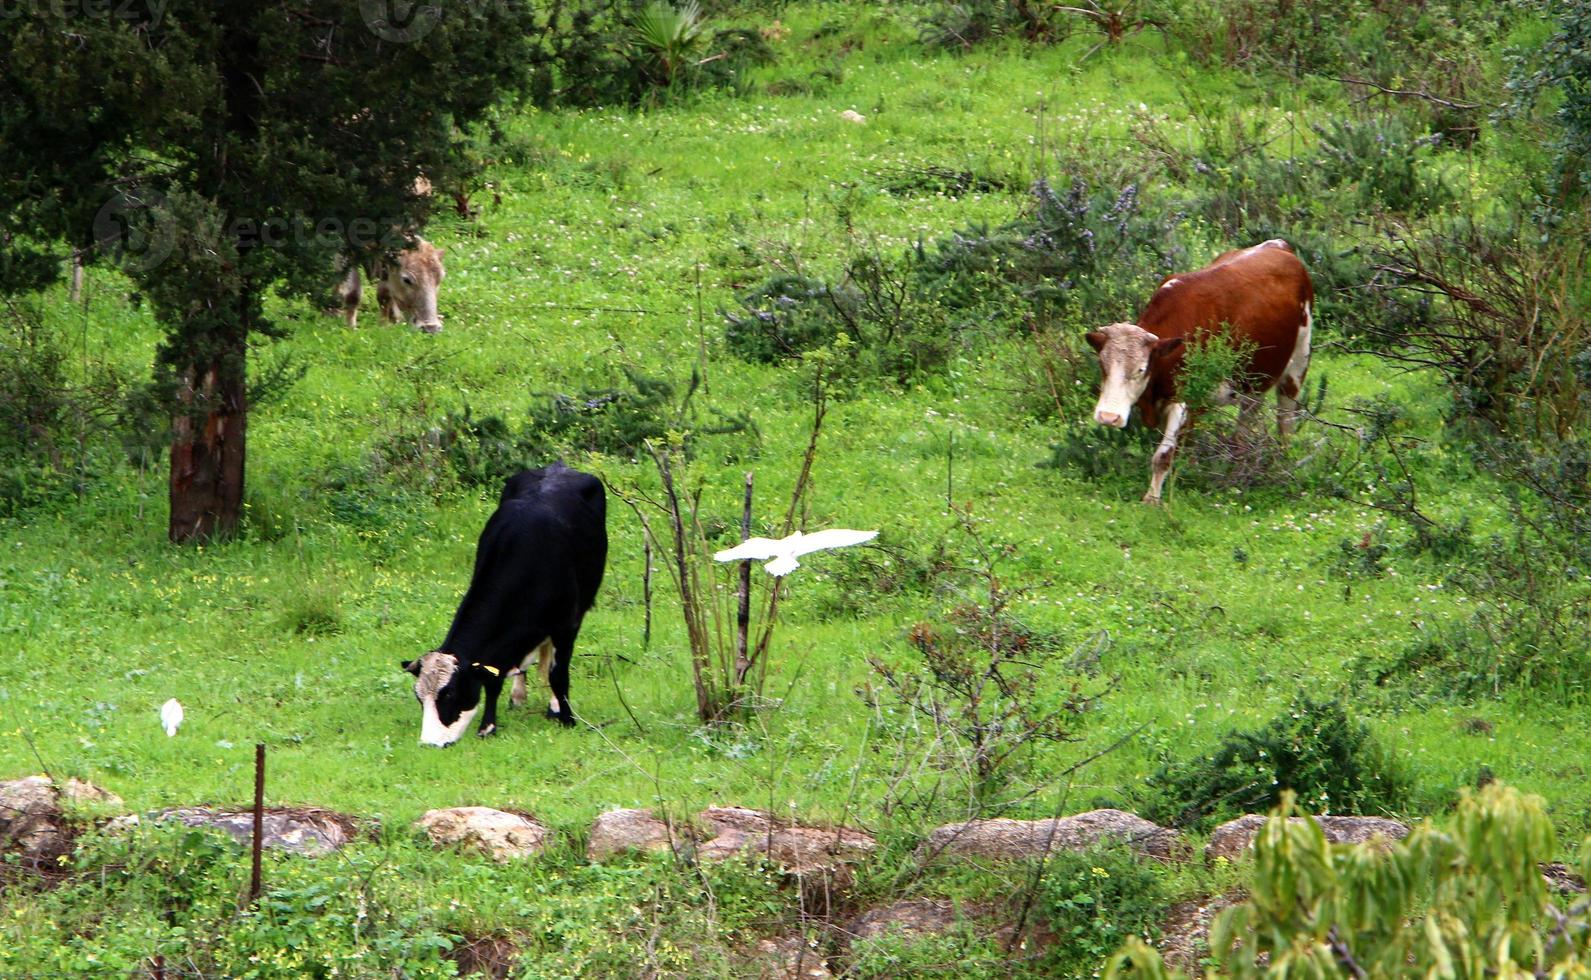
x,y
834,537
751,549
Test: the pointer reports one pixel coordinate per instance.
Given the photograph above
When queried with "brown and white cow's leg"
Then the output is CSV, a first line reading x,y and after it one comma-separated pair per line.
x,y
349,292
541,655
1291,383
547,653
1160,465
385,301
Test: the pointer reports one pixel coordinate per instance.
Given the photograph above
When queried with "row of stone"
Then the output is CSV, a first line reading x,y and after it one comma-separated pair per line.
x,y
721,831
32,821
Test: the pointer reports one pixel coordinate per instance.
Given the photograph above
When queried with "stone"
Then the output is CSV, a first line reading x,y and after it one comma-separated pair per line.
x,y
795,848
1234,839
788,958
498,834
621,830
917,917
1185,931
1561,878
32,819
1003,839
911,918
309,831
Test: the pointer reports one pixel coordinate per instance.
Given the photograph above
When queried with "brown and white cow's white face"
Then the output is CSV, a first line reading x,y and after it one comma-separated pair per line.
x,y
1127,356
412,281
449,695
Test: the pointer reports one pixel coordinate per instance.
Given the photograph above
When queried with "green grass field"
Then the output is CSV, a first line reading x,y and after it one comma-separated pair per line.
x,y
617,240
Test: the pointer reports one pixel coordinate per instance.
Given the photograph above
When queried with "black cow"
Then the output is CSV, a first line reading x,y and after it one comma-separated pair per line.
x,y
537,570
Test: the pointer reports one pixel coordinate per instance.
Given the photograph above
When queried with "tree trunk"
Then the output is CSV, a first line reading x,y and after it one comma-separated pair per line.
x,y
207,438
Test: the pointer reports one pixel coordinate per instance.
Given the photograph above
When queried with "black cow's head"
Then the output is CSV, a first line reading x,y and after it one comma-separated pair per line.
x,y
449,693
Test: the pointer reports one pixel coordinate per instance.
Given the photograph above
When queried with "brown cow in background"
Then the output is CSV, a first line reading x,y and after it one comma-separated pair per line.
x,y
406,287
1259,296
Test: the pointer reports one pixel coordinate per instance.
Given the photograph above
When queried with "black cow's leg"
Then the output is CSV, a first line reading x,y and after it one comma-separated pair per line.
x,y
558,677
492,687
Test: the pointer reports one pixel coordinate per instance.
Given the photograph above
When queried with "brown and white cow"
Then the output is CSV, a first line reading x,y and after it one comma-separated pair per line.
x,y
1259,296
406,287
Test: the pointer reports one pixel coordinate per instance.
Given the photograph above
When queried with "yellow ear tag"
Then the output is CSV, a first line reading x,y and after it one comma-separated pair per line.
x,y
490,669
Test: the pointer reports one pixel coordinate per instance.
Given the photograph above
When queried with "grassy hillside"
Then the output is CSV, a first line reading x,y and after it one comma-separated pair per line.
x,y
612,238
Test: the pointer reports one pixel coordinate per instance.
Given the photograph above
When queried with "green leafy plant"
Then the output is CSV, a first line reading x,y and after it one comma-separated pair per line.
x,y
1382,157
976,681
1528,586
484,450
1560,66
669,38
1313,749
1092,902
1467,899
729,664
968,23
1213,361
1509,315
964,950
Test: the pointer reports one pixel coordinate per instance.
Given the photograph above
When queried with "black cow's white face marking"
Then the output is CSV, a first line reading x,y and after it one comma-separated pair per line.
x,y
448,700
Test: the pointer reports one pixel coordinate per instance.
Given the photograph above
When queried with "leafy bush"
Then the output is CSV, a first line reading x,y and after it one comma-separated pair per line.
x,y
1428,48
1082,250
787,316
1314,749
1508,320
1233,178
669,47
1466,900
605,52
1211,362
977,682
963,950
485,450
968,23
1530,587
172,892
167,892
931,179
58,434
875,314
1380,156
1095,451
1561,65
1093,901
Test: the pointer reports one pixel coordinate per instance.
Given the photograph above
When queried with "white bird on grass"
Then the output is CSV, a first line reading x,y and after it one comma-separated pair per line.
x,y
783,551
171,716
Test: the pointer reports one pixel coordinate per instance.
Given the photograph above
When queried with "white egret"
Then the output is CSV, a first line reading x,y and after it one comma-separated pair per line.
x,y
171,716
783,551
